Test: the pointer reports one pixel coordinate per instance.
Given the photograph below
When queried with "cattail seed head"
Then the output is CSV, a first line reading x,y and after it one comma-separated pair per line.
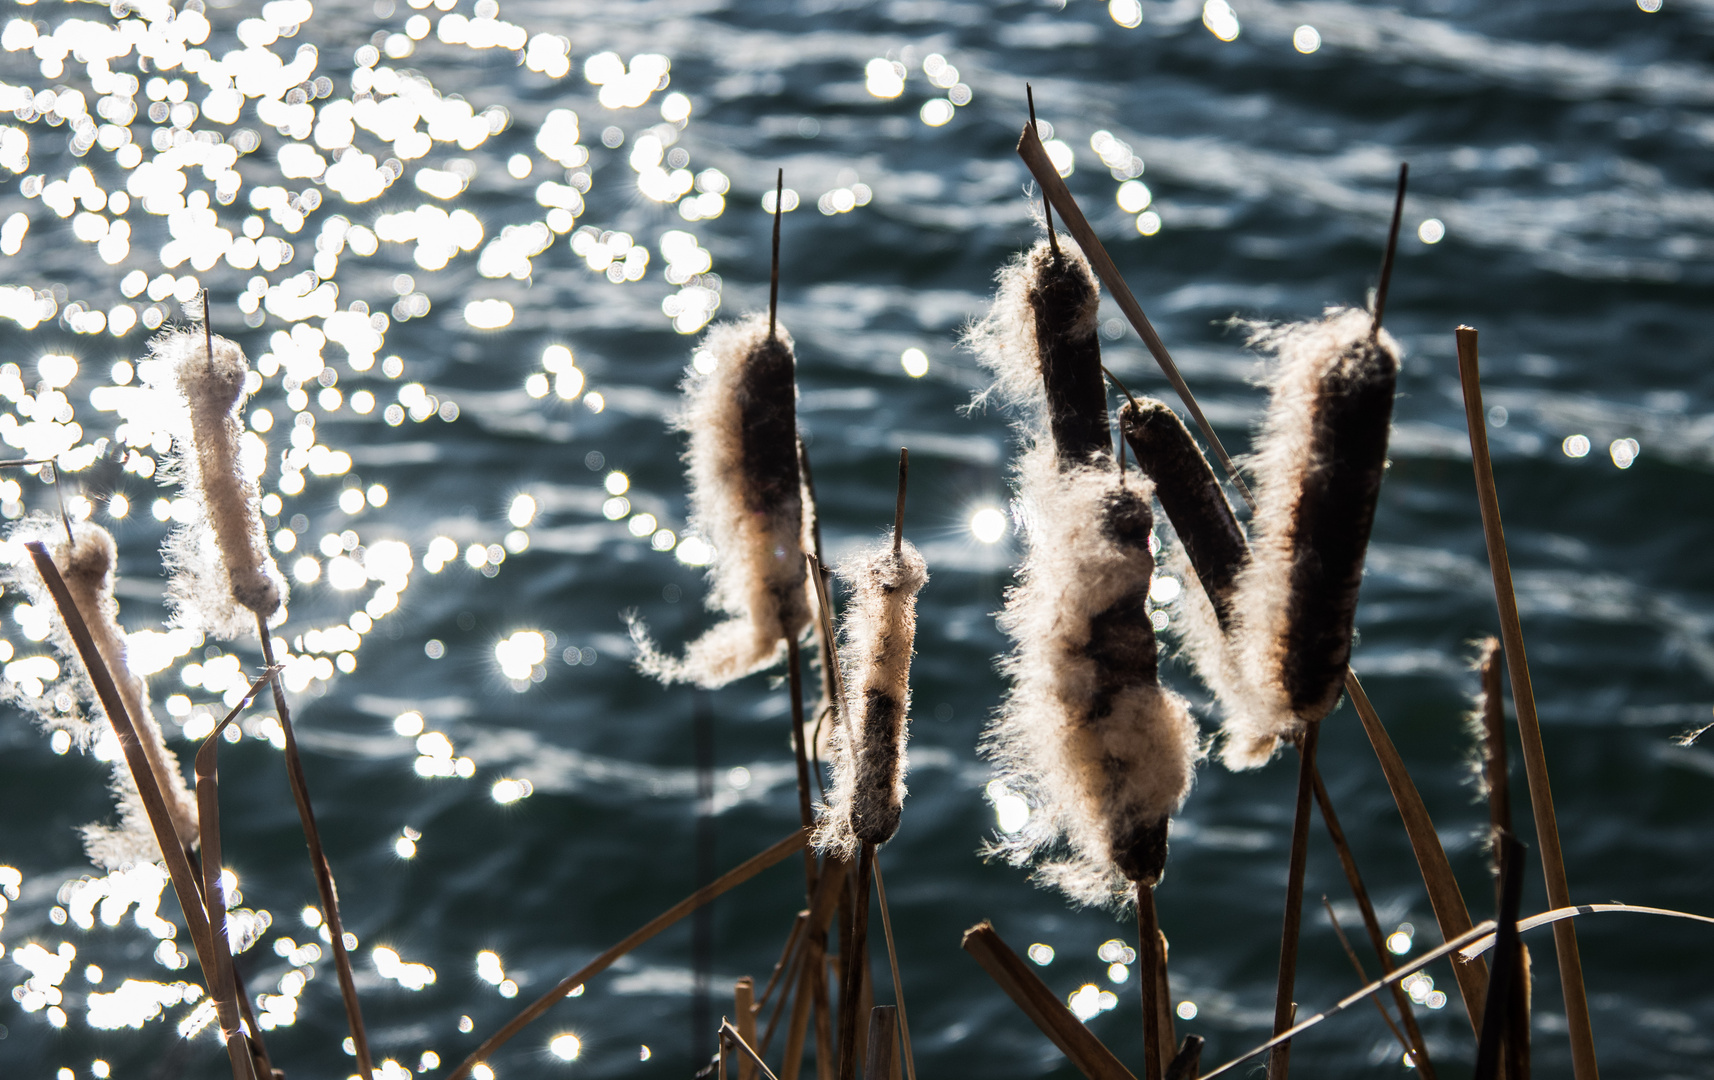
x,y
1101,752
878,630
1039,339
1318,466
747,500
222,576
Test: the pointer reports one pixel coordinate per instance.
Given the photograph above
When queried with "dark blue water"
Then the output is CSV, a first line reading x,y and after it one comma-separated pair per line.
x,y
1562,151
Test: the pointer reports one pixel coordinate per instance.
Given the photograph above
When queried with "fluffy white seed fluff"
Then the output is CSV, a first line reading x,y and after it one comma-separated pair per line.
x,y
1088,779
1258,715
758,574
87,566
1004,340
221,575
877,633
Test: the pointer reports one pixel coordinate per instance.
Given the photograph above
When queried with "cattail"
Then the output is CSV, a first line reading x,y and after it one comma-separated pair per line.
x,y
87,565
1040,340
747,500
1318,467
1191,496
222,578
877,632
1101,752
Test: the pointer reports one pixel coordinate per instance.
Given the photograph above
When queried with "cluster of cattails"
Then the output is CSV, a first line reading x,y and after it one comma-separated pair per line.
x,y
1101,751
747,501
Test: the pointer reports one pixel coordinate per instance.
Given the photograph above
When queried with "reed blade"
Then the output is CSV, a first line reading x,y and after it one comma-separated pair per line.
x,y
739,874
1042,1006
319,865
881,1059
148,789
1581,1032
1497,1013
1483,944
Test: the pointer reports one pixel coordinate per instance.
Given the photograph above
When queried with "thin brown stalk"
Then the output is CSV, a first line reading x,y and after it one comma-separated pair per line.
x,y
824,602
739,874
1279,1063
748,1060
1474,934
881,1061
1582,1035
893,964
1444,896
774,274
1042,1006
1505,1021
899,507
806,816
1156,1055
1372,925
853,947
225,993
793,977
160,820
744,1007
1363,976
825,1048
324,885
787,956
827,891
1392,249
1046,207
797,1030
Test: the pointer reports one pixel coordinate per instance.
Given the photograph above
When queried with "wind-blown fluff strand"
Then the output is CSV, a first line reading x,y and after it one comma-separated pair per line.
x,y
1318,466
87,565
878,630
222,577
746,499
1039,339
1101,752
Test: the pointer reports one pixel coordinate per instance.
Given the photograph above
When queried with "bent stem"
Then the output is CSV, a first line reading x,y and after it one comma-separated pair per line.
x,y
318,860
148,789
1582,1035
739,874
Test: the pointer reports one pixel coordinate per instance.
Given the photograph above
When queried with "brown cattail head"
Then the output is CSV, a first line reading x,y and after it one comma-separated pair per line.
x,y
1087,736
878,631
1318,466
1191,496
222,576
1039,338
747,500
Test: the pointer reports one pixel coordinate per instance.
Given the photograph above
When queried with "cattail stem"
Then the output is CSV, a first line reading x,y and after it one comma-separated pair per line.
x,y
806,816
1157,1052
893,963
1418,1046
1508,952
178,866
1279,1062
1392,249
318,860
1046,206
1351,954
854,947
1582,1035
899,507
774,273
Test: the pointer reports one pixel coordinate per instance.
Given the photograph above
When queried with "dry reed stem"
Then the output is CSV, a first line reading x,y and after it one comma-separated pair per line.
x,y
1507,1011
1279,1062
319,866
1157,1053
1508,953
1444,896
160,819
1055,192
806,816
739,874
1188,1061
1372,925
825,1048
882,1061
225,992
814,922
893,963
748,1060
1042,1006
1475,933
853,949
1483,944
796,1031
787,954
744,1007
793,977
1363,976
1582,1035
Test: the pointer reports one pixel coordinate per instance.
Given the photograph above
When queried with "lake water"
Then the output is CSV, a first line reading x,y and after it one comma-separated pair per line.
x,y
1558,202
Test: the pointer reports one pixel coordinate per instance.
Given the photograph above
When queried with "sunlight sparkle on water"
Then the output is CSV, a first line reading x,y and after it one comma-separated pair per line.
x,y
1306,39
567,1047
1041,955
915,362
1186,1010
988,525
1431,231
1575,446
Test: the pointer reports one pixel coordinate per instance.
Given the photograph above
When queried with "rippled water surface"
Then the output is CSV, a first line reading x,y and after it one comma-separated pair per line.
x,y
471,311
